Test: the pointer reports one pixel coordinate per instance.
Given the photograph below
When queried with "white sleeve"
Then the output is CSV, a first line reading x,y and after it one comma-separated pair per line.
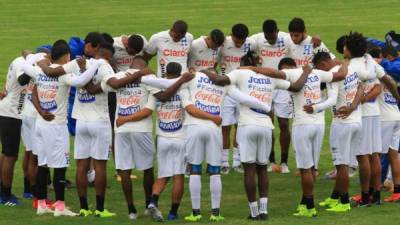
x,y
247,99
151,47
292,75
330,101
282,84
82,79
71,67
32,71
233,76
160,83
184,94
151,102
379,70
325,76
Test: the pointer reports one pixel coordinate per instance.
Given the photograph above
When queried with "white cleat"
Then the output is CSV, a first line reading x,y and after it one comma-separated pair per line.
x,y
238,169
65,212
147,212
155,213
225,170
132,216
284,168
40,211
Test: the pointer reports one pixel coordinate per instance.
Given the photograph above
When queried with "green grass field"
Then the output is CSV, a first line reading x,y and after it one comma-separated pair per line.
x,y
26,24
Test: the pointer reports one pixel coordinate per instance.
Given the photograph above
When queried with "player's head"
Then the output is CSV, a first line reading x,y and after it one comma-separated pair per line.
x,y
215,39
106,51
249,59
138,62
287,63
340,43
135,44
108,38
297,30
60,52
375,51
390,52
92,43
355,45
323,61
174,69
178,30
239,34
271,31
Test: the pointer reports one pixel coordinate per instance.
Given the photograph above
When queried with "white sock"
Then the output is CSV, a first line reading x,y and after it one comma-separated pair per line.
x,y
216,190
225,158
236,157
253,209
195,190
264,205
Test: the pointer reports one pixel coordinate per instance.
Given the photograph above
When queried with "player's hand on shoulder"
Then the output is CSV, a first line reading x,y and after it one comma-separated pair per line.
x,y
81,63
186,77
44,62
307,69
316,41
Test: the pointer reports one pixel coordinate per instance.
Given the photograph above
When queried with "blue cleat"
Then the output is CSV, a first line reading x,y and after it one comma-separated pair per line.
x,y
172,216
27,195
11,201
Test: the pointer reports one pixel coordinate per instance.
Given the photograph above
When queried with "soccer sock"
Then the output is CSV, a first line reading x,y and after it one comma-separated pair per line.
x,y
100,203
344,198
396,188
5,191
59,183
41,184
84,203
236,157
174,208
303,201
335,194
253,209
132,209
371,191
365,197
154,200
263,205
272,157
284,157
34,191
309,201
225,158
27,186
376,196
216,190
195,191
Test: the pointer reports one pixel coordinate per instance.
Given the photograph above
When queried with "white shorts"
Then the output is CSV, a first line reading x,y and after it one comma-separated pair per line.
x,y
28,133
52,145
201,143
230,112
92,140
281,104
371,137
307,142
170,156
134,150
254,143
345,139
390,135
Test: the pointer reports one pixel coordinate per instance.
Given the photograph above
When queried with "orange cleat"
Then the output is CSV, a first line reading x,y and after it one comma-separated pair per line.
x,y
356,198
395,197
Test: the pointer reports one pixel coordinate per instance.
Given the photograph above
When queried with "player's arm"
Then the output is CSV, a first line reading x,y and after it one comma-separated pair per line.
x,y
391,86
36,103
220,80
59,71
165,95
247,100
341,73
269,72
93,88
372,94
345,111
299,84
83,79
195,112
329,102
140,115
129,78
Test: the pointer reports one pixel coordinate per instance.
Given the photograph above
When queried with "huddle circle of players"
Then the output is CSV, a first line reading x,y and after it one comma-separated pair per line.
x,y
201,88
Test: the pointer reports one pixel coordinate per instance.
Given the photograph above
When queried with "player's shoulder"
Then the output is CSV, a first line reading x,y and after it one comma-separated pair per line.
x,y
198,42
189,36
118,42
160,35
257,37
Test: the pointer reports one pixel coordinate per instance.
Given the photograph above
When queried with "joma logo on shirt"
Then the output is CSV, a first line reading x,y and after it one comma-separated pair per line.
x,y
350,78
259,80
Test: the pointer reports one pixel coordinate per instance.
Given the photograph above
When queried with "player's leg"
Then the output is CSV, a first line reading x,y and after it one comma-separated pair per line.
x,y
226,131
376,169
390,141
176,197
250,186
25,166
236,165
284,140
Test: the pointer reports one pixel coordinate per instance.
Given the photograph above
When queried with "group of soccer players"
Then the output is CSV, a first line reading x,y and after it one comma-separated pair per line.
x,y
202,89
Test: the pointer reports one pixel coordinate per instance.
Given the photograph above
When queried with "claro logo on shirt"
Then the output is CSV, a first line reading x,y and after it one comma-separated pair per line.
x,y
204,63
175,53
273,54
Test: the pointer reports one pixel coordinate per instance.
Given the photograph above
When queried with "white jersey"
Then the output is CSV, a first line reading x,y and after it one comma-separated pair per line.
x,y
304,52
162,45
388,106
12,105
131,99
260,87
309,94
29,109
88,107
230,54
121,58
271,54
201,56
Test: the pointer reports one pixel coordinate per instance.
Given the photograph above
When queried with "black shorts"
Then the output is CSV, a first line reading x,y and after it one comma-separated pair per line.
x,y
112,106
10,133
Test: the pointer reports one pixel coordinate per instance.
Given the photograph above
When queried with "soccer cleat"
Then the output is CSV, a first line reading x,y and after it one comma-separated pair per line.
x,y
155,213
304,212
132,216
273,167
284,168
27,195
104,214
133,177
172,216
331,175
238,169
329,202
85,212
10,201
65,212
352,172
263,216
301,207
253,217
147,212
388,185
218,218
356,198
225,170
339,207
395,197
192,218
43,210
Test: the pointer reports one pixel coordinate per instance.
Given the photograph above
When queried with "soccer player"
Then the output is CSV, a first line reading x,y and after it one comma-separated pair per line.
x,y
50,100
126,48
172,45
235,46
205,51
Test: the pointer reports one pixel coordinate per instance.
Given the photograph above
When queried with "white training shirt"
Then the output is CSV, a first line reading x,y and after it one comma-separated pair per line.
x,y
121,58
230,54
162,45
29,109
388,106
201,56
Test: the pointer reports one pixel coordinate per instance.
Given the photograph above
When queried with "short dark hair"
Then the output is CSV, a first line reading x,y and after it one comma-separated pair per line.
x,y
140,57
375,52
297,25
320,57
136,42
174,68
389,50
217,36
269,26
107,46
340,43
94,38
180,26
108,38
249,59
59,49
240,31
356,44
286,62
